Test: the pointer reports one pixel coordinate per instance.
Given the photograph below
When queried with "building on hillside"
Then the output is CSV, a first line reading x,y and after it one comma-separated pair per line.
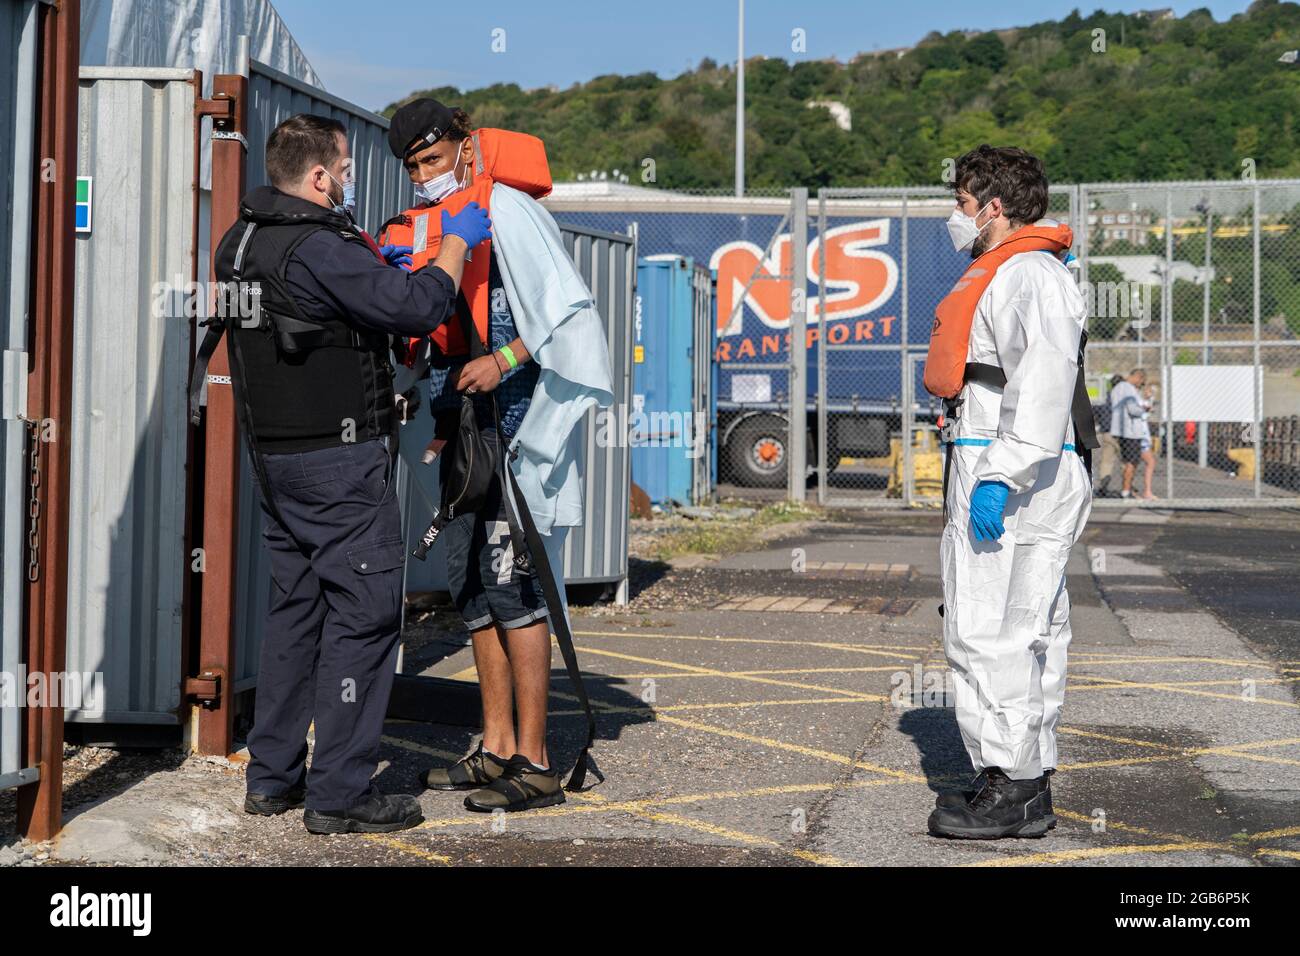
x,y
1120,225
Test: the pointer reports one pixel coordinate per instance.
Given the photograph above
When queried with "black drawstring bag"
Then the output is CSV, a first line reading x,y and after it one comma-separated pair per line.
x,y
472,461
470,468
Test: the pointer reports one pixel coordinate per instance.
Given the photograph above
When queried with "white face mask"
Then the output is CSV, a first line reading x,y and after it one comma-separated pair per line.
x,y
348,207
440,187
963,229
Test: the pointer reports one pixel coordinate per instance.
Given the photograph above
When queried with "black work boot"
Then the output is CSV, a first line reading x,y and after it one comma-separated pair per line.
x,y
955,799
375,812
1003,808
1045,788
268,805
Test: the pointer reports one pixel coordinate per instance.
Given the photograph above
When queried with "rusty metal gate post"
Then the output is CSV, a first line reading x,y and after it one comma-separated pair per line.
x,y
49,410
213,686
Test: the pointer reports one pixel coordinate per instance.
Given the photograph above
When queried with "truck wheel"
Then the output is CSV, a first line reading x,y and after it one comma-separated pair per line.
x,y
756,452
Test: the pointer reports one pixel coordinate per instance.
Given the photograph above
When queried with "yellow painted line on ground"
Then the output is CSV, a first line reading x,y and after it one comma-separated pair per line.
x,y
688,798
1108,661
1258,758
1276,834
638,808
726,833
884,669
1115,684
720,705
1112,824
1103,682
1093,853
419,747
1286,854
910,651
712,672
400,845
1119,762
1074,731
1175,753
643,807
792,748
1232,750
470,673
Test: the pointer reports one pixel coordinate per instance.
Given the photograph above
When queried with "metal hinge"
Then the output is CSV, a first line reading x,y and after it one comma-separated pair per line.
x,y
204,689
222,110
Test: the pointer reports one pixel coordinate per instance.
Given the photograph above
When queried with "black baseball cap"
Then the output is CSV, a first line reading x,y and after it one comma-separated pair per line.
x,y
417,124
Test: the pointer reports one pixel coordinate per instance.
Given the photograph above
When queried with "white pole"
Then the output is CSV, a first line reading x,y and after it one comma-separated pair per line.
x,y
740,102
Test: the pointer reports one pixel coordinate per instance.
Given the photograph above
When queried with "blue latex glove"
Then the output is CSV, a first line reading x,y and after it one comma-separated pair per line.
x,y
987,502
471,224
399,256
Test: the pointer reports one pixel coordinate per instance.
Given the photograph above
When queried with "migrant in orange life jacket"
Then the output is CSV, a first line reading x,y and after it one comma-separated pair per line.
x,y
945,364
500,156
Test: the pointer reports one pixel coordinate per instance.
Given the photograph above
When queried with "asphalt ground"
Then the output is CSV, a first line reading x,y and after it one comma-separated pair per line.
x,y
787,706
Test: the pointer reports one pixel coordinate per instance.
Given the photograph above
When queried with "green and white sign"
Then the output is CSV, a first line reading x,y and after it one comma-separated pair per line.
x,y
85,188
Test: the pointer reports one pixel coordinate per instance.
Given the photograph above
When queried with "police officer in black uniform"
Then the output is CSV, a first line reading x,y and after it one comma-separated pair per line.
x,y
313,385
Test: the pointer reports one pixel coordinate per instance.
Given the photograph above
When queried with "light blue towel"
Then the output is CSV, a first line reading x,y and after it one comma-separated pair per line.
x,y
557,319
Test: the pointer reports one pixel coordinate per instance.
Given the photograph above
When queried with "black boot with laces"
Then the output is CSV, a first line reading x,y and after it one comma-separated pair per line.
x,y
1003,808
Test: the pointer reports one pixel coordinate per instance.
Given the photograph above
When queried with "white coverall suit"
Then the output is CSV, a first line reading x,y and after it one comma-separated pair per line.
x,y
1006,624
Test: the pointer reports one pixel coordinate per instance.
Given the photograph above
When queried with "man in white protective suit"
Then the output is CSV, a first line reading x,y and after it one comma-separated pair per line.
x,y
1006,355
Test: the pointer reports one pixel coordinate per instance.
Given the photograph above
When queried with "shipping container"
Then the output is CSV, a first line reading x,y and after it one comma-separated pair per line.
x,y
672,414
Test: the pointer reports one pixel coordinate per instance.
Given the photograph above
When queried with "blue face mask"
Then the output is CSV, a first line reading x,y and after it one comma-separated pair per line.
x,y
349,205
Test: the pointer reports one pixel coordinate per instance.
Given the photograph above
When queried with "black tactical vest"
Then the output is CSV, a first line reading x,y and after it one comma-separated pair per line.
x,y
299,384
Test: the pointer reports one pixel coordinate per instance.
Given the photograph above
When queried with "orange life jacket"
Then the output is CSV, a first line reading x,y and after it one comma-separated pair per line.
x,y
500,156
945,364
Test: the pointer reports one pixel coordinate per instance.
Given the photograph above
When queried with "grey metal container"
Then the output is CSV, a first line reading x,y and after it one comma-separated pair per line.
x,y
132,346
597,551
18,47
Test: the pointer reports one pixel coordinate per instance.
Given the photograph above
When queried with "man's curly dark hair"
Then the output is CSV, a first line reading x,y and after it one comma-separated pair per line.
x,y
460,127
1007,173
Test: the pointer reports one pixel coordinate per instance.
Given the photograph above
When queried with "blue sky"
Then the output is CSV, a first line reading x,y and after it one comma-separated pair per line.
x,y
376,53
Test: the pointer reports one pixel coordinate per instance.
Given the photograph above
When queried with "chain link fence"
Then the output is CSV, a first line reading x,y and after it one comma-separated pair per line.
x,y
1197,284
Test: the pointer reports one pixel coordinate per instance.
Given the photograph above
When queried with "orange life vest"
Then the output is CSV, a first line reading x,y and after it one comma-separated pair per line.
x,y
500,156
945,364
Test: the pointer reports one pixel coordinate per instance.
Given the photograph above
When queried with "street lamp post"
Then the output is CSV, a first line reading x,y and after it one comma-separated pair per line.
x,y
740,101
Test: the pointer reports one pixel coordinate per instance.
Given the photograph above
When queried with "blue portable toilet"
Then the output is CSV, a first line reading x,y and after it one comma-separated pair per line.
x,y
673,415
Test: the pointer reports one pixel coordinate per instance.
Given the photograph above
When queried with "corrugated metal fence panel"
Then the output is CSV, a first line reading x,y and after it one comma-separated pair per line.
x,y
382,190
597,551
132,344
18,33
382,185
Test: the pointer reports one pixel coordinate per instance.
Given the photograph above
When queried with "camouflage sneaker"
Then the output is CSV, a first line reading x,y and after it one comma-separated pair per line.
x,y
521,787
469,773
